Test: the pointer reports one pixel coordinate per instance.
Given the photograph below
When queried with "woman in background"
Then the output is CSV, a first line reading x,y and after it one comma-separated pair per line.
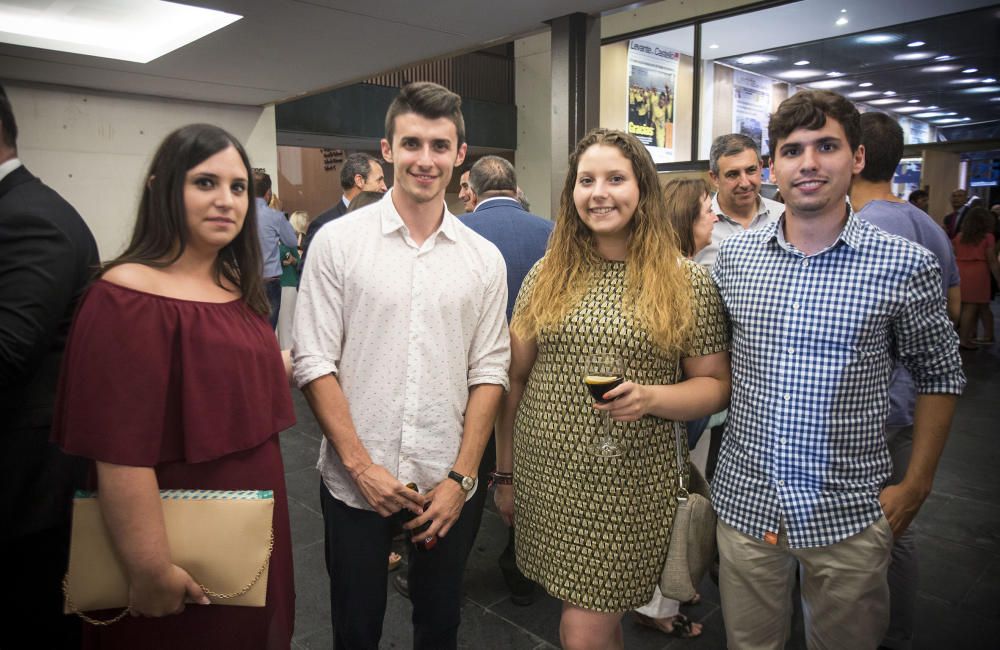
x,y
290,262
975,252
172,379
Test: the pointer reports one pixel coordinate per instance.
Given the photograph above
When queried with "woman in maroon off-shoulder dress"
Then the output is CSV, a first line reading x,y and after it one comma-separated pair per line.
x,y
172,378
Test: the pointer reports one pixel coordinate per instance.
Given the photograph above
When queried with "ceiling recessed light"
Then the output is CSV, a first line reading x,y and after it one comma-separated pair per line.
x,y
915,44
840,22
970,70
889,93
913,56
865,84
137,31
913,101
843,11
995,99
799,74
932,108
940,68
983,90
989,80
951,113
967,80
858,94
877,39
713,46
908,109
952,120
835,74
827,84
753,59
944,57
802,62
929,114
883,102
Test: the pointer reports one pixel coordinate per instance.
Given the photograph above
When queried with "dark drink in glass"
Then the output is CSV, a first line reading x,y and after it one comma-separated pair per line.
x,y
601,384
405,515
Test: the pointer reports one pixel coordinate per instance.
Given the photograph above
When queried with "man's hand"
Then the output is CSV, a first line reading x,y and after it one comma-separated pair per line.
x,y
503,496
630,401
386,494
445,505
901,503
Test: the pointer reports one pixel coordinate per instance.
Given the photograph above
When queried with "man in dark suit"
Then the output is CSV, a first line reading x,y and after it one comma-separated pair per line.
x,y
360,173
47,256
521,238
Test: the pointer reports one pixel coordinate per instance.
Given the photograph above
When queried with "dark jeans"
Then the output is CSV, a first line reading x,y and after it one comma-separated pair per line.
x,y
357,545
273,289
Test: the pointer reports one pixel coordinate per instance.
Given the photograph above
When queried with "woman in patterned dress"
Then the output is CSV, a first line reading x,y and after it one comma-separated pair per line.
x,y
592,530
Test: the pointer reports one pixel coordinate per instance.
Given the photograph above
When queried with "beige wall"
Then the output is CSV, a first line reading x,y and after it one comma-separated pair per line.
x,y
303,183
939,176
533,96
94,148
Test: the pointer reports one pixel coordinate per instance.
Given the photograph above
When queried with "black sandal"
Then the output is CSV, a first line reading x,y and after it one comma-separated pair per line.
x,y
679,625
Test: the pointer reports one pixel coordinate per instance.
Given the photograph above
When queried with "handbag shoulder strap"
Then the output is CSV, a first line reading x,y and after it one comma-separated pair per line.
x,y
682,494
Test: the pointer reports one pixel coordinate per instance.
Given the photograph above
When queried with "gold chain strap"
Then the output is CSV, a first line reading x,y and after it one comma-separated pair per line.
x,y
209,592
249,585
93,621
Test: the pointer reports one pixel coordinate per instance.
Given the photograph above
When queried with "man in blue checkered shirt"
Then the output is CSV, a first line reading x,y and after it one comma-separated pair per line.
x,y
821,304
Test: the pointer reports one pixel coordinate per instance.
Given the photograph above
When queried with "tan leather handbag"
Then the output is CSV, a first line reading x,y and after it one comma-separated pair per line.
x,y
222,538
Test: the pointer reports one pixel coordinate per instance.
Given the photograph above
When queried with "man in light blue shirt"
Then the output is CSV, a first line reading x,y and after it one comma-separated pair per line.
x,y
872,197
272,228
735,169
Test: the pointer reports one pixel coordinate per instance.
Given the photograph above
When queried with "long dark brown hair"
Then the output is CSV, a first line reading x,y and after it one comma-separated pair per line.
x,y
978,221
161,233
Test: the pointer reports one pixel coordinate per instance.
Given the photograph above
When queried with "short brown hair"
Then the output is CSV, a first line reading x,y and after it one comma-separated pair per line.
x,y
808,109
428,100
682,199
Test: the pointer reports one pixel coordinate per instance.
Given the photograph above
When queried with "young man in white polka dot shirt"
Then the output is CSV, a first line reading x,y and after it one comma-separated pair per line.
x,y
400,345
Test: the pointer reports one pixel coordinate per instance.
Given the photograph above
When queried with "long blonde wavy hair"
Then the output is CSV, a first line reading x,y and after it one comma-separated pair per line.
x,y
657,286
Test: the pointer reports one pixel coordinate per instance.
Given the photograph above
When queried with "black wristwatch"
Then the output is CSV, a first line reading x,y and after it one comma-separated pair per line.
x,y
468,483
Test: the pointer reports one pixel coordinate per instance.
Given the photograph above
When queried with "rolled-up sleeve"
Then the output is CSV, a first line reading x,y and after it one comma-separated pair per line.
x,y
317,331
489,352
926,341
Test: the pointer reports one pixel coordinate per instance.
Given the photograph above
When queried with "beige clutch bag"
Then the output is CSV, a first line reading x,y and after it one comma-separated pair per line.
x,y
222,538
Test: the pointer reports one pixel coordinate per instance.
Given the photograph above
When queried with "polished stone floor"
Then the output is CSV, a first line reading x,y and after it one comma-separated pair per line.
x,y
958,534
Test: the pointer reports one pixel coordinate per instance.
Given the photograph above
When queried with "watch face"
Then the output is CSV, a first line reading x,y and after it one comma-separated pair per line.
x,y
468,483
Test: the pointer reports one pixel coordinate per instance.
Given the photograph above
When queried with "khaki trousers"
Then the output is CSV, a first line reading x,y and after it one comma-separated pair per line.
x,y
845,596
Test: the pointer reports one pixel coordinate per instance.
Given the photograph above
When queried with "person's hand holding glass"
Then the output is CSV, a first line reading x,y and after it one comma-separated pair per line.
x,y
604,373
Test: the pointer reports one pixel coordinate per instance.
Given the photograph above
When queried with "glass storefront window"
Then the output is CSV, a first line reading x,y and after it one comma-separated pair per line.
x,y
647,87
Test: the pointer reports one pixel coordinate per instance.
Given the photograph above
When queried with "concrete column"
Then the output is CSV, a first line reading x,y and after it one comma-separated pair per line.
x,y
576,83
939,176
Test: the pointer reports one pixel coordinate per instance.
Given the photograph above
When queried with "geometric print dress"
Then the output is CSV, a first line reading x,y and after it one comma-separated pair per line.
x,y
594,531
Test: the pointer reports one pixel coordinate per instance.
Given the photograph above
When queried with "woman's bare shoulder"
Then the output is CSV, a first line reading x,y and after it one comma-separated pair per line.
x,y
135,276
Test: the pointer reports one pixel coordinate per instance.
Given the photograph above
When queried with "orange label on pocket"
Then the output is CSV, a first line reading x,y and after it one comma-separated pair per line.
x,y
771,538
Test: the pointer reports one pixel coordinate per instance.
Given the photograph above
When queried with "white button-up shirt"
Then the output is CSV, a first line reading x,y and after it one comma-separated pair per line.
x,y
724,228
408,330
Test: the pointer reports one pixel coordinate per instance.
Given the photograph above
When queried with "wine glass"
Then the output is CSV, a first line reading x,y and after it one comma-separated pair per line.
x,y
604,372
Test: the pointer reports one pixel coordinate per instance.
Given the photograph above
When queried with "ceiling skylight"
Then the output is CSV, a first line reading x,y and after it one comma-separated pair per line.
x,y
128,30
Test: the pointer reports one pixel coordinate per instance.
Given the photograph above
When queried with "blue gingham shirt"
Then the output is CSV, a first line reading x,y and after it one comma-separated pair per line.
x,y
814,339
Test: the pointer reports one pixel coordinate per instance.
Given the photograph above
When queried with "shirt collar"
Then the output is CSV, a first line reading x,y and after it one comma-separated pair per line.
x,y
496,198
391,221
849,235
343,199
717,209
8,167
